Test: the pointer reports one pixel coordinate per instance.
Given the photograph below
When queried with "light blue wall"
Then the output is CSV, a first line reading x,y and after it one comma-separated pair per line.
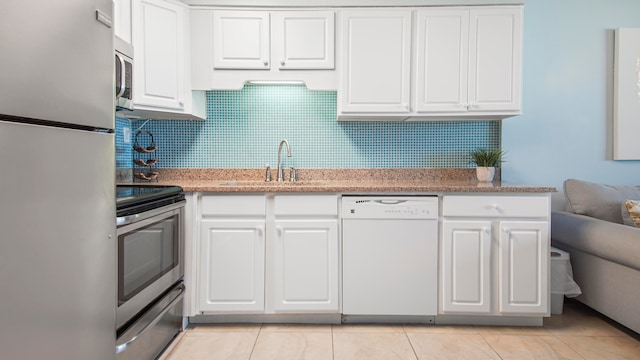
x,y
565,131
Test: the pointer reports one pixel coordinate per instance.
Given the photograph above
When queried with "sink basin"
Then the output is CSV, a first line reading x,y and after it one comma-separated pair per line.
x,y
272,183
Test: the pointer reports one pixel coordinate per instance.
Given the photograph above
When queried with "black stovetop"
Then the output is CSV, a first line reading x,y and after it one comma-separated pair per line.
x,y
134,198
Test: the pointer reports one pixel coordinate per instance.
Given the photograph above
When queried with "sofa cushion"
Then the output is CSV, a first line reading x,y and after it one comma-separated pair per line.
x,y
598,200
631,213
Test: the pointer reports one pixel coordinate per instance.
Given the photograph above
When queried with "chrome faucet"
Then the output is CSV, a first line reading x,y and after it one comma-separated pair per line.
x,y
280,172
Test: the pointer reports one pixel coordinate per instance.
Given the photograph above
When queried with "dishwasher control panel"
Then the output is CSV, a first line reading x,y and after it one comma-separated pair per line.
x,y
389,207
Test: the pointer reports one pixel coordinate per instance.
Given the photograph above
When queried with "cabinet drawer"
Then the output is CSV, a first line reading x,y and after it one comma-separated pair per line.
x,y
306,205
495,206
233,205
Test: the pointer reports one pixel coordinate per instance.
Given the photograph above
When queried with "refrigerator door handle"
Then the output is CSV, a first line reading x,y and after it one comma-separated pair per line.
x,y
125,341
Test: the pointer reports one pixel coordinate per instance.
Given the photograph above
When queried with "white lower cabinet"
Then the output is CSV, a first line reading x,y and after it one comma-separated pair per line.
x,y
306,266
266,254
523,266
495,255
232,254
466,266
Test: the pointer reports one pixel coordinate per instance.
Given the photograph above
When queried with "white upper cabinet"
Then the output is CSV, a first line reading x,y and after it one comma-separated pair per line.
x,y
159,54
161,74
241,40
304,39
122,20
375,63
495,52
468,61
442,61
228,46
450,63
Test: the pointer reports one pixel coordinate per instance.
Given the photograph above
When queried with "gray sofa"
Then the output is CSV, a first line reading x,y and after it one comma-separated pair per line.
x,y
605,252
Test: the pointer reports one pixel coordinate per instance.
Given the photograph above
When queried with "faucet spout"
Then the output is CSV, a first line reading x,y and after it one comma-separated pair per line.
x,y
280,172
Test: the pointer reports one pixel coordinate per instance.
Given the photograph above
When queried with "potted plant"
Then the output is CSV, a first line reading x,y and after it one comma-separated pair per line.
x,y
486,161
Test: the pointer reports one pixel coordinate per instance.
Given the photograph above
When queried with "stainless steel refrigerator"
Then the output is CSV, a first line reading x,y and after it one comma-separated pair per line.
x,y
57,187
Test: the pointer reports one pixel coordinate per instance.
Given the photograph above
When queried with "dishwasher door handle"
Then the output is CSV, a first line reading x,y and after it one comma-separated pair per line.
x,y
391,202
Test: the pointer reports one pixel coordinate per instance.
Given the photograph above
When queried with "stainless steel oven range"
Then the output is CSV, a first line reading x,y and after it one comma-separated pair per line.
x,y
150,229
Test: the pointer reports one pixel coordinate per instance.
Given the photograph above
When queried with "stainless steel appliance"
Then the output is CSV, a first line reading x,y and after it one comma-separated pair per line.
x,y
378,233
124,75
57,165
150,267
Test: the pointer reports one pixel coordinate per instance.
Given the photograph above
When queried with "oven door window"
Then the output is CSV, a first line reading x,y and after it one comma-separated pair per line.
x,y
145,254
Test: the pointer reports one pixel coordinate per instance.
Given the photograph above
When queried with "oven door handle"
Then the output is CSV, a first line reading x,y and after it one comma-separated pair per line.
x,y
125,341
129,219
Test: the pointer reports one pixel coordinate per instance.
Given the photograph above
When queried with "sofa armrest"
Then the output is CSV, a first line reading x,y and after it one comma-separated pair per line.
x,y
614,242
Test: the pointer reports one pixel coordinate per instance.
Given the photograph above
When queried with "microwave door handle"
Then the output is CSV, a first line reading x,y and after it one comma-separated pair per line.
x,y
123,77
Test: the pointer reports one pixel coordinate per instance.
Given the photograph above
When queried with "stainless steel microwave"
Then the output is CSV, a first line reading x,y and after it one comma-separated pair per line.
x,y
124,75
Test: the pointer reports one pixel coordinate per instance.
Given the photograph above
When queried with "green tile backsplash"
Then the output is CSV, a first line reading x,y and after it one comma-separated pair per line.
x,y
243,129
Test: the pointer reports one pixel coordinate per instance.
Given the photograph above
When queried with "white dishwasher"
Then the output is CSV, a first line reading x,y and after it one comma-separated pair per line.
x,y
390,255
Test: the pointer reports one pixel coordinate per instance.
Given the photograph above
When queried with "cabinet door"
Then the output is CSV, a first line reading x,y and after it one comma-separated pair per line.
x,y
232,254
241,40
122,19
495,59
304,39
466,267
442,60
376,52
159,54
306,260
524,267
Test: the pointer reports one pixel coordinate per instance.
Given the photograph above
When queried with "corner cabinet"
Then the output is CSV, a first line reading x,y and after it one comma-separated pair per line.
x,y
161,83
495,255
375,74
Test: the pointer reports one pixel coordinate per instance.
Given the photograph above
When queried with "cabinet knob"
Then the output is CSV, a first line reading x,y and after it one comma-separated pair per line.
x,y
266,62
282,62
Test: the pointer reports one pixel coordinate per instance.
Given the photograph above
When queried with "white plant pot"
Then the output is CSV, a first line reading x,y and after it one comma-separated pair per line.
x,y
485,174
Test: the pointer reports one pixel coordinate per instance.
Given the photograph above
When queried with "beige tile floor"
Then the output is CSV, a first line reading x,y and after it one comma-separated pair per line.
x,y
577,334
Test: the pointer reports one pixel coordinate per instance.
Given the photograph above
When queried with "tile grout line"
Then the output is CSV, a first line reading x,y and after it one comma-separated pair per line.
x,y
404,331
255,342
333,347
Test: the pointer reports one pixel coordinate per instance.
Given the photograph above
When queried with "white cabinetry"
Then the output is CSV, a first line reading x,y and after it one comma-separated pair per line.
x,y
241,40
266,254
495,255
306,254
284,45
161,83
304,40
468,61
122,20
232,260
451,63
375,74
232,254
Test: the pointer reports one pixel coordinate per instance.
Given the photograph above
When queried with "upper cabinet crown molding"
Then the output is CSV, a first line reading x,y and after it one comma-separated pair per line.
x,y
347,3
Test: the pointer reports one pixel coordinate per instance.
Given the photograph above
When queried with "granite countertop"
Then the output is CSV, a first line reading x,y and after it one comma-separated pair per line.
x,y
340,181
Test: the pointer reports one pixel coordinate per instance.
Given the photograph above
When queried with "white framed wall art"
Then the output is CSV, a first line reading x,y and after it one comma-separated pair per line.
x,y
626,95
